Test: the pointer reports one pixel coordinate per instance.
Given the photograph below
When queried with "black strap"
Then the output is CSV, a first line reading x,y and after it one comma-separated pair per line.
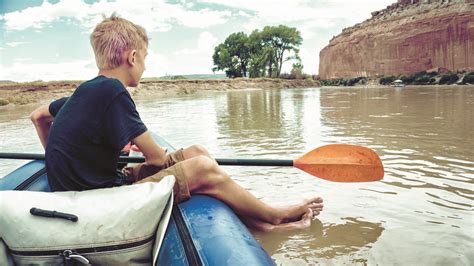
x,y
191,252
31,179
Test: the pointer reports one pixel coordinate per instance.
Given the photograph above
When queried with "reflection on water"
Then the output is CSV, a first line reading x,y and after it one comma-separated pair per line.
x,y
421,213
424,136
323,242
259,119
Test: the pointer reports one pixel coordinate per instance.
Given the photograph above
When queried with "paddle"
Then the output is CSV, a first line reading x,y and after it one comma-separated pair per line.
x,y
334,162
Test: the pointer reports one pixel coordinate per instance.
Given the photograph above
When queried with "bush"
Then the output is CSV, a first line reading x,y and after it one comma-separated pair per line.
x,y
353,81
419,74
422,80
449,78
3,102
407,79
331,82
296,73
468,78
387,80
344,82
177,77
285,76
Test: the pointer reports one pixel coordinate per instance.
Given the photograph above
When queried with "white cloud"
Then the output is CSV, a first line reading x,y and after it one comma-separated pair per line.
x,y
202,18
195,60
306,14
153,15
185,61
24,70
310,60
15,44
244,14
156,64
19,60
204,46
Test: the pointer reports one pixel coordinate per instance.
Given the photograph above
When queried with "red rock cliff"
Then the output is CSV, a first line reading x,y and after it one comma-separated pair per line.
x,y
407,37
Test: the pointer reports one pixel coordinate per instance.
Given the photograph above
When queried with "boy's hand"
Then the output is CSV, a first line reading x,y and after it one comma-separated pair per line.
x,y
127,147
140,171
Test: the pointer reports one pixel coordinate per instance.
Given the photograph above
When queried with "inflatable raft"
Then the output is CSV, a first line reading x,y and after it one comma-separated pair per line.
x,y
202,230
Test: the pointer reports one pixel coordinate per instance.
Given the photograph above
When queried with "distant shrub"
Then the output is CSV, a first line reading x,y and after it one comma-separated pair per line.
x,y
448,78
354,81
419,74
362,81
422,80
297,73
407,79
285,76
468,78
387,80
3,102
177,77
331,82
344,81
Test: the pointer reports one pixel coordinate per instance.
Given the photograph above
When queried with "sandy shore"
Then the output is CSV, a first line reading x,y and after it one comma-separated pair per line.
x,y
41,92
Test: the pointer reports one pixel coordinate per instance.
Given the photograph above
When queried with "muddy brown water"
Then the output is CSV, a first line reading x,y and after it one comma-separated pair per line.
x,y
420,214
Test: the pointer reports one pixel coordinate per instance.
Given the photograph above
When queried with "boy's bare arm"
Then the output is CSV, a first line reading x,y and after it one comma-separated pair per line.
x,y
42,121
154,153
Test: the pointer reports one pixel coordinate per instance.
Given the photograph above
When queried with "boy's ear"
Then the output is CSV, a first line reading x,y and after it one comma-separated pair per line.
x,y
131,57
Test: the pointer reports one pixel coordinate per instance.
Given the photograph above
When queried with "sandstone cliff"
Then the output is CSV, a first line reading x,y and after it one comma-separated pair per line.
x,y
407,37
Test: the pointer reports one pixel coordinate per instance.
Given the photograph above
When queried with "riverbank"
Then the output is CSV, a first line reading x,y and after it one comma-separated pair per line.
x,y
41,92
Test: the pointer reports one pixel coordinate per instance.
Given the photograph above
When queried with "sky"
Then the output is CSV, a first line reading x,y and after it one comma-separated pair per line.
x,y
49,39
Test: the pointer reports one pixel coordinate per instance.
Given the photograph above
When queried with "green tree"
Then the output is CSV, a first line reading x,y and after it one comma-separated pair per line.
x,y
281,39
260,54
233,55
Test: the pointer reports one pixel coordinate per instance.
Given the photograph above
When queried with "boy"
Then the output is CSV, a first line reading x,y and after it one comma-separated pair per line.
x,y
91,126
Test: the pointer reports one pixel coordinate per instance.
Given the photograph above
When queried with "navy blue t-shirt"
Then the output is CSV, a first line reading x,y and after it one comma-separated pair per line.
x,y
88,132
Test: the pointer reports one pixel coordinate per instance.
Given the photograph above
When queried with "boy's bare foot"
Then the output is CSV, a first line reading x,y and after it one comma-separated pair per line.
x,y
295,212
303,223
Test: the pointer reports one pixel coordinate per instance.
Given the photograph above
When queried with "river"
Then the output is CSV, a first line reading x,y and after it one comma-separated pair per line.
x,y
421,213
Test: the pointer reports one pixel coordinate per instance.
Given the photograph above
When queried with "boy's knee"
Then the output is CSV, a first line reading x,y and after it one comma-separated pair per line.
x,y
212,174
198,150
206,164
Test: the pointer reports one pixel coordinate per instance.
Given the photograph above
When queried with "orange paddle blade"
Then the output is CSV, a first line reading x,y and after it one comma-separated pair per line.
x,y
342,163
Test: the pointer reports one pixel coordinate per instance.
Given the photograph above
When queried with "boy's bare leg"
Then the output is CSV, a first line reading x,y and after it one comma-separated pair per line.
x,y
305,222
206,177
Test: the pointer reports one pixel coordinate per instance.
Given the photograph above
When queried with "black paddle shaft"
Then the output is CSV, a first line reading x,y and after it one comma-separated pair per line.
x,y
255,162
127,159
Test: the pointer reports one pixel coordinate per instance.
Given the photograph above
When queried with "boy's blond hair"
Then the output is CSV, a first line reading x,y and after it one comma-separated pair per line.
x,y
112,37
